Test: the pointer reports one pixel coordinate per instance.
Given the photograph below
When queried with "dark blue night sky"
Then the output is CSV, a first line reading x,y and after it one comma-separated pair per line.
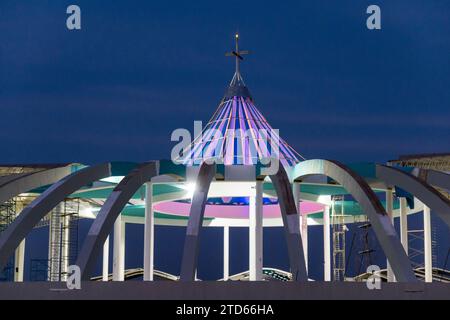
x,y
140,69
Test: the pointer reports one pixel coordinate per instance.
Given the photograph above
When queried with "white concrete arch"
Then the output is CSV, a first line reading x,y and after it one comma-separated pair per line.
x,y
369,202
288,211
43,204
108,214
435,178
191,243
15,184
432,198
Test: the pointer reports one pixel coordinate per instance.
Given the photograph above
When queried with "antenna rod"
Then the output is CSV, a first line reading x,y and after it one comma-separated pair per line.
x,y
237,54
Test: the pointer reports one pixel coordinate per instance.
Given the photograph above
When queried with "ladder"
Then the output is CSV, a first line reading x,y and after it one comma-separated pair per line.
x,y
339,230
63,239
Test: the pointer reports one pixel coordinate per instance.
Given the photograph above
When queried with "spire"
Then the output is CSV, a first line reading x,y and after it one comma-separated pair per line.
x,y
236,114
237,86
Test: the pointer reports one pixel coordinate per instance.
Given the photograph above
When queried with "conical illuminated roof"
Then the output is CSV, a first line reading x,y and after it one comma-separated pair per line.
x,y
237,133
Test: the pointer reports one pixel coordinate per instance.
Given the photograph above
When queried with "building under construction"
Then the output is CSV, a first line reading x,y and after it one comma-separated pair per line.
x,y
225,180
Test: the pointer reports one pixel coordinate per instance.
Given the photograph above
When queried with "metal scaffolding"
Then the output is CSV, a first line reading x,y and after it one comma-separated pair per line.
x,y
362,244
436,161
415,247
339,230
70,232
54,249
7,216
439,162
63,239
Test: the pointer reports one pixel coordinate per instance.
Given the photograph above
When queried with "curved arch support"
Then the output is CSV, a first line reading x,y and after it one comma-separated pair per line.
x,y
371,205
43,204
435,178
291,224
191,243
15,184
108,214
419,188
288,211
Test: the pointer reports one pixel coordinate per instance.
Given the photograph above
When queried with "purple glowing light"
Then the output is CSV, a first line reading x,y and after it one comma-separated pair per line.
x,y
221,139
232,212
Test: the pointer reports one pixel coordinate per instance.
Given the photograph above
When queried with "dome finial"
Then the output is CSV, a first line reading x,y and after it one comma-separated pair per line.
x,y
239,56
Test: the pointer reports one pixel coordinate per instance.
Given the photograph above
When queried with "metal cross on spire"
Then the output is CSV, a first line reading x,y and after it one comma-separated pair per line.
x,y
239,56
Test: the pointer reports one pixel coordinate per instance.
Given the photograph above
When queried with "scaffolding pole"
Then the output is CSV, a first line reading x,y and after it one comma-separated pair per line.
x,y
339,230
63,239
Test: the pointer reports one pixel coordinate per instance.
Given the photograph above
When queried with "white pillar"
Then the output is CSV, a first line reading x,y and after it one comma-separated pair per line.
x,y
19,262
226,253
304,234
427,244
256,233
404,224
390,212
105,269
326,244
303,221
149,234
119,250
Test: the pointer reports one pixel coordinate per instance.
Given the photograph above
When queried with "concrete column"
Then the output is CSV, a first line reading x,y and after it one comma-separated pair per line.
x,y
404,224
105,269
303,220
149,234
256,233
304,234
326,244
119,250
296,193
19,262
390,212
226,253
427,246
